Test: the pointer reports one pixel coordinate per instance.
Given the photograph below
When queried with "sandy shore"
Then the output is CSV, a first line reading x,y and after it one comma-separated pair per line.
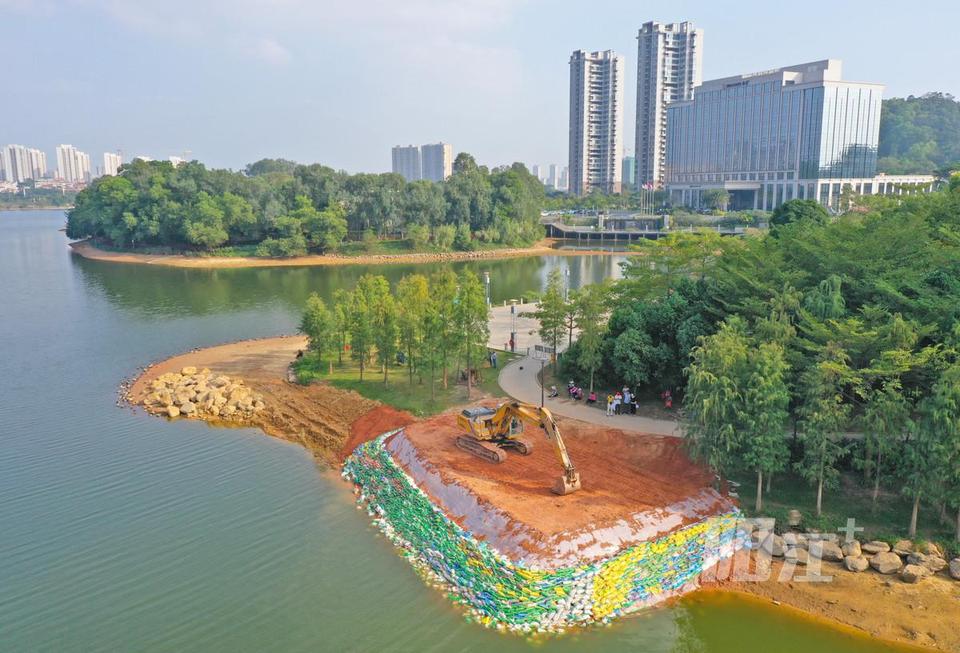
x,y
331,422
328,421
884,607
87,250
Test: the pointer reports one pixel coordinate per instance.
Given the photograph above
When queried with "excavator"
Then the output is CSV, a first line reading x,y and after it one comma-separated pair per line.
x,y
489,431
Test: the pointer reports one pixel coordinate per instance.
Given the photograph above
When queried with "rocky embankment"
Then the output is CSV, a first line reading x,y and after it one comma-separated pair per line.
x,y
202,394
909,562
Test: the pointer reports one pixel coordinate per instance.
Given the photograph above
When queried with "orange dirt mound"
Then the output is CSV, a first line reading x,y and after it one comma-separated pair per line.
x,y
622,474
369,425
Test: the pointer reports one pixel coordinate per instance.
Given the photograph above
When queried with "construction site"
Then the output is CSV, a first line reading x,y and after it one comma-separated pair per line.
x,y
531,522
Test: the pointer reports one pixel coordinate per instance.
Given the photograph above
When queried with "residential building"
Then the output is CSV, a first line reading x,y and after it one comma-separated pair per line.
x,y
628,177
20,163
177,161
407,162
436,161
669,66
596,121
537,171
798,132
111,163
72,164
563,180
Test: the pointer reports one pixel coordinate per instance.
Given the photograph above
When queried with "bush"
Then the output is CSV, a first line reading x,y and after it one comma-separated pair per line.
x,y
443,236
463,240
419,235
283,247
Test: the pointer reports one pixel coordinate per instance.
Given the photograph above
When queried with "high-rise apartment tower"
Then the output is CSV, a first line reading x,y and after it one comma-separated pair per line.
x,y
669,65
596,121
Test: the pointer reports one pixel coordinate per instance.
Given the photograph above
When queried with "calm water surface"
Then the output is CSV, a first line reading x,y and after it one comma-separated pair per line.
x,y
120,532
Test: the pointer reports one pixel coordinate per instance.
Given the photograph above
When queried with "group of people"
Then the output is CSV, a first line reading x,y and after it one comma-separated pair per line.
x,y
622,402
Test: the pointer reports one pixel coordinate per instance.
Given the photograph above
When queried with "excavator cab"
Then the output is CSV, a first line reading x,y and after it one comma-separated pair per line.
x,y
488,432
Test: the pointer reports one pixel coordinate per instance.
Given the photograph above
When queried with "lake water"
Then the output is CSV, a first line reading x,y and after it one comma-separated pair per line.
x,y
121,532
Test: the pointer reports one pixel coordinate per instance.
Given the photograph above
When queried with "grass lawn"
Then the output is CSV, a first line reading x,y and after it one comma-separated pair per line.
x,y
399,392
887,521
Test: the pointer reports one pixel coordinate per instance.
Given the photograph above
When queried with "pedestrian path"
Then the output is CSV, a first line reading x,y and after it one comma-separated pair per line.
x,y
519,380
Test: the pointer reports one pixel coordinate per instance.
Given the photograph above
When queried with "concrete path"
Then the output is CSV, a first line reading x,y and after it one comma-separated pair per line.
x,y
519,380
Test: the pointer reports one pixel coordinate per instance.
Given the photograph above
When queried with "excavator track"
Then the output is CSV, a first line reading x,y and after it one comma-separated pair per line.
x,y
523,446
486,450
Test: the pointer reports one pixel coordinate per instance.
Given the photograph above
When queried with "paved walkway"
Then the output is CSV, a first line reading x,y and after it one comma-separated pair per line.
x,y
519,380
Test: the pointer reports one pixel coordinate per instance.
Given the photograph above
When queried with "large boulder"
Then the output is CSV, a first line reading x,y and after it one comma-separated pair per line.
x,y
187,371
796,555
913,573
856,563
955,568
852,548
173,411
826,550
188,408
875,546
903,548
886,562
934,563
930,549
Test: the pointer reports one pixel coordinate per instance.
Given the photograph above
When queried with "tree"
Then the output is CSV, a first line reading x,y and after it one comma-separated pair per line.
x,y
443,236
714,394
666,262
716,198
797,210
319,326
933,451
413,299
342,302
551,311
443,301
886,419
472,317
824,414
386,331
590,319
763,414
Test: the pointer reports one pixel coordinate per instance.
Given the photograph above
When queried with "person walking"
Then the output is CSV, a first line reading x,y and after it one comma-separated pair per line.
x,y
609,404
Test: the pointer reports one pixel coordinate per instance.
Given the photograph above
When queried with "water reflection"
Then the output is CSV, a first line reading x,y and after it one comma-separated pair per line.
x,y
160,292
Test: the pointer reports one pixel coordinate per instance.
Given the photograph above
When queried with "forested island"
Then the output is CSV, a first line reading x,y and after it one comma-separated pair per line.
x,y
278,208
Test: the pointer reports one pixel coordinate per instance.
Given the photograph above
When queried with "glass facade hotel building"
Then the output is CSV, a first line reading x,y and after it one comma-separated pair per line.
x,y
798,132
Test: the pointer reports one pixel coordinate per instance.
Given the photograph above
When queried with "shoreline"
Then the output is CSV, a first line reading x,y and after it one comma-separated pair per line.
x,y
543,248
867,604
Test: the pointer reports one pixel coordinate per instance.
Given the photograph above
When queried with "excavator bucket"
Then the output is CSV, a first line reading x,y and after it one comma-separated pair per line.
x,y
565,486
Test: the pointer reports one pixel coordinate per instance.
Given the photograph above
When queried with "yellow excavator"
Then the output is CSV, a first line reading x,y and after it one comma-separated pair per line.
x,y
489,431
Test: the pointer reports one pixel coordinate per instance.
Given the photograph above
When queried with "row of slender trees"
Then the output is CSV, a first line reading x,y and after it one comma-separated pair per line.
x,y
434,321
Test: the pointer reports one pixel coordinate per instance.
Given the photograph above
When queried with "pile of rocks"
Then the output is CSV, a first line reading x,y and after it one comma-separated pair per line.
x,y
910,563
202,394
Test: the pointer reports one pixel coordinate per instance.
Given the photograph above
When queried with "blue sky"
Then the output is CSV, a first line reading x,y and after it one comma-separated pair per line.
x,y
339,83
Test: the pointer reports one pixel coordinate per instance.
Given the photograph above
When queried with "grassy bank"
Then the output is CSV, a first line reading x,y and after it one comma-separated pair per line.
x,y
399,392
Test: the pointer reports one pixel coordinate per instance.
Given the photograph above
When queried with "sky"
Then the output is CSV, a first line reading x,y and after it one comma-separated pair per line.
x,y
340,82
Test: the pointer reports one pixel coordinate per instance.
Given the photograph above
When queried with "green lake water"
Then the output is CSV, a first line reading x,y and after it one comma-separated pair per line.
x,y
122,532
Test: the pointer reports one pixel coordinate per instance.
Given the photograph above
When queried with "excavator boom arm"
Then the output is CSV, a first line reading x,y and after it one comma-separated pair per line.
x,y
543,418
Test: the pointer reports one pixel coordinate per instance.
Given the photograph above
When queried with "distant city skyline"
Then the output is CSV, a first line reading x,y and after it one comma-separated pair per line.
x,y
226,81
